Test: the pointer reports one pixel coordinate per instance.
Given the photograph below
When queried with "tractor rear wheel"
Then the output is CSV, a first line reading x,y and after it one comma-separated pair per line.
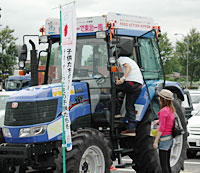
x,y
179,148
144,155
90,153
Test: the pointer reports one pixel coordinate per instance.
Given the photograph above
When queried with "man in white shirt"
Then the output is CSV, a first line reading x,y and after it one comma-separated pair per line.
x,y
131,84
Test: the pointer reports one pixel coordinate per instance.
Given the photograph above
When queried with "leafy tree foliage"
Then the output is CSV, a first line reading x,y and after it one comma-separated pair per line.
x,y
192,42
8,50
171,62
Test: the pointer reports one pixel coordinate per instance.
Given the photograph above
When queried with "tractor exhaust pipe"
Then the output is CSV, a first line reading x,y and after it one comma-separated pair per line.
x,y
34,65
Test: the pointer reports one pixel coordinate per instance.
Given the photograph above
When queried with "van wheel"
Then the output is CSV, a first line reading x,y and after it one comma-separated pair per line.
x,y
191,154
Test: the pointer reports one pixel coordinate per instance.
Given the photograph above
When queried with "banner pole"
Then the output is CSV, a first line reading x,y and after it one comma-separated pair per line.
x,y
63,119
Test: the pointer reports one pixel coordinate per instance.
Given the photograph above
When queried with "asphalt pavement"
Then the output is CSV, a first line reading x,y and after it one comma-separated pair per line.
x,y
190,166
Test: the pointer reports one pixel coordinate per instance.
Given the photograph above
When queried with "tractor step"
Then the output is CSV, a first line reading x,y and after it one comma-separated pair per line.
x,y
123,150
124,165
119,123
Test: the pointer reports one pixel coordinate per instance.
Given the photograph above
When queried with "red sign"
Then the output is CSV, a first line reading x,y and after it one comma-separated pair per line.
x,y
14,105
66,30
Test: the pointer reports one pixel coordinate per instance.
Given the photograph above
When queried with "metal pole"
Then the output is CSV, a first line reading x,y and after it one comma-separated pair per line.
x,y
63,118
187,60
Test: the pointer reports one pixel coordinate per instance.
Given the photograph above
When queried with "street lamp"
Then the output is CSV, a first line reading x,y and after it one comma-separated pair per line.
x,y
187,58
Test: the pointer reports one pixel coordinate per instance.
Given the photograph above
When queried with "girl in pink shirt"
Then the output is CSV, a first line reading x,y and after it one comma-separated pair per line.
x,y
164,139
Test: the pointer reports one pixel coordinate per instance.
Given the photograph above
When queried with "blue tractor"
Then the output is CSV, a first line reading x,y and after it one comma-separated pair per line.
x,y
21,78
33,118
16,83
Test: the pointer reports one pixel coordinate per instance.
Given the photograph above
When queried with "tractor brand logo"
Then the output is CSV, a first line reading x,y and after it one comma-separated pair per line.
x,y
66,30
14,105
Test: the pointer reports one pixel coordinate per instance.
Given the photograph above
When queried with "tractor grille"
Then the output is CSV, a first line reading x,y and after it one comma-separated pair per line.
x,y
28,113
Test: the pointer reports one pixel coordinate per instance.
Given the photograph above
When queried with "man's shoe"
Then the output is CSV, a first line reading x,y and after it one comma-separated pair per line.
x,y
128,132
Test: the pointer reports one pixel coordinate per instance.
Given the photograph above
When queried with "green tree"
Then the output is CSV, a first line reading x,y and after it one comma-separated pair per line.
x,y
8,50
171,63
192,42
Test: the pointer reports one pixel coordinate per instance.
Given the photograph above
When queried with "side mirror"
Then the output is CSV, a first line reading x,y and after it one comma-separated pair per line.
x,y
22,55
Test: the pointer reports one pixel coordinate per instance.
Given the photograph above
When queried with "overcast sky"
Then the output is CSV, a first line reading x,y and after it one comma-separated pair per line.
x,y
174,16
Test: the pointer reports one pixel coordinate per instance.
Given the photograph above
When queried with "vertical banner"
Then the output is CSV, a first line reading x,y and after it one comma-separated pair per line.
x,y
68,42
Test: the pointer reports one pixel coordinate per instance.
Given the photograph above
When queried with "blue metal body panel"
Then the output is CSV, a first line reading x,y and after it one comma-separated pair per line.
x,y
135,33
119,32
36,139
143,99
21,77
42,93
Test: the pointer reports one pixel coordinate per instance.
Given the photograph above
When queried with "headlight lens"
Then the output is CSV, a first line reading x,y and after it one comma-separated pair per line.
x,y
32,131
101,34
6,132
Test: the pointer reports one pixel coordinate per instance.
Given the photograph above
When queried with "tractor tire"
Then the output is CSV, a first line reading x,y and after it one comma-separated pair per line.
x,y
144,156
4,165
91,152
179,148
191,154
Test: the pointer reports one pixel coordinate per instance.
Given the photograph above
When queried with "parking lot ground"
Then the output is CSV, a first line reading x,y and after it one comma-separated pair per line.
x,y
190,166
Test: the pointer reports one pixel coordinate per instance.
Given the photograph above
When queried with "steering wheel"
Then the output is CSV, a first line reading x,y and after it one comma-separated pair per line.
x,y
100,78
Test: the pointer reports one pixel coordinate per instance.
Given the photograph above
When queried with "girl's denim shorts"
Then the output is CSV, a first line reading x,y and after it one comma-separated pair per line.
x,y
166,144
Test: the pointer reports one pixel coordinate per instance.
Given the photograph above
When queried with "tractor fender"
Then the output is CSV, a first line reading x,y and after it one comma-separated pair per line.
x,y
175,88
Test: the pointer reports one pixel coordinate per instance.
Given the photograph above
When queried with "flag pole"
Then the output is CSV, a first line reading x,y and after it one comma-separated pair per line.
x,y
63,119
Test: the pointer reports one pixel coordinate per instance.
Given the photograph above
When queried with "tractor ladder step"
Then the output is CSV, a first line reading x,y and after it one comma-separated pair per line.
x,y
123,150
125,165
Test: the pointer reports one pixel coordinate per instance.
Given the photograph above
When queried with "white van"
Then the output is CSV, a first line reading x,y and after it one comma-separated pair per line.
x,y
4,95
195,97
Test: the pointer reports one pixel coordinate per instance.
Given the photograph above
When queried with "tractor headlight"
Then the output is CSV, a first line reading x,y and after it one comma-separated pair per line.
x,y
32,131
101,34
6,132
21,64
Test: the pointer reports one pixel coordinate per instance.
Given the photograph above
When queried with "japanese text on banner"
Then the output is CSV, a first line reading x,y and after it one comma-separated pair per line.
x,y
68,59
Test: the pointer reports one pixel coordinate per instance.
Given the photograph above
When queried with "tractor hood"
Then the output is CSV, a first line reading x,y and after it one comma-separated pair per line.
x,y
36,93
34,99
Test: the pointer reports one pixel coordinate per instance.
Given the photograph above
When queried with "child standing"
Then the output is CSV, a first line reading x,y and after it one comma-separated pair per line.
x,y
164,139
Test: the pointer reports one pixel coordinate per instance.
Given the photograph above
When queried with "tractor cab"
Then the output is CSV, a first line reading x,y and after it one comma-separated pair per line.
x,y
96,59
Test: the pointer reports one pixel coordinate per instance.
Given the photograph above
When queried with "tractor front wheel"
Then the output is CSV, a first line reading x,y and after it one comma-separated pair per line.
x,y
90,153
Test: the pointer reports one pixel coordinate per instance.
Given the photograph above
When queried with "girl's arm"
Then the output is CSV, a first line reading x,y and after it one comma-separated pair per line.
x,y
155,145
162,121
